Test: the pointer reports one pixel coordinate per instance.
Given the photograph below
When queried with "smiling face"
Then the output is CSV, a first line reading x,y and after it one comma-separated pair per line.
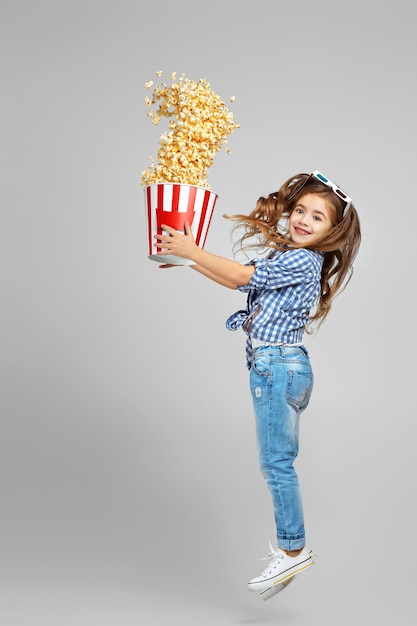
x,y
311,220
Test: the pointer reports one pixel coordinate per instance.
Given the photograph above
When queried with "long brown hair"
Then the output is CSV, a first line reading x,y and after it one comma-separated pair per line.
x,y
266,227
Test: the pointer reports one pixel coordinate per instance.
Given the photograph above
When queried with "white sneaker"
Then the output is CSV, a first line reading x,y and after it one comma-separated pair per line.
x,y
276,589
281,567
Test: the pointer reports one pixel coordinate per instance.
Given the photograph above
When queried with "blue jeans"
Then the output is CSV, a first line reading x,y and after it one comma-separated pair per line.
x,y
281,382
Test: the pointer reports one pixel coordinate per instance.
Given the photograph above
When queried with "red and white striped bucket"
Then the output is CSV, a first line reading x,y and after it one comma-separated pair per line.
x,y
175,204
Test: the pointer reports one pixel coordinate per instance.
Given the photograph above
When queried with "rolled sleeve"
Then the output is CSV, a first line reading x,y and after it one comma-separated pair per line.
x,y
288,268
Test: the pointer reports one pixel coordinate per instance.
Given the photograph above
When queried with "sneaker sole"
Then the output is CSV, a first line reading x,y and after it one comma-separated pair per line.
x,y
276,589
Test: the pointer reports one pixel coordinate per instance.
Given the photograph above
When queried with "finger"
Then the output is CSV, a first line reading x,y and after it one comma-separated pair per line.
x,y
169,230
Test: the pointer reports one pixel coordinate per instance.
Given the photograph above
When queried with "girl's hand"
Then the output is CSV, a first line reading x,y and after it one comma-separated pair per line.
x,y
173,242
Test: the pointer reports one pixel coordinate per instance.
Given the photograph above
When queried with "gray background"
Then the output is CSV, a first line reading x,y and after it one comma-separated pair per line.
x,y
130,489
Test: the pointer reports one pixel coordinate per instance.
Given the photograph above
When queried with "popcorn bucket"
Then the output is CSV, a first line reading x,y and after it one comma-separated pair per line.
x,y
174,204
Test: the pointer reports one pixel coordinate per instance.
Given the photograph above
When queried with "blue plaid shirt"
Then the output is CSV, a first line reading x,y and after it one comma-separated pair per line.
x,y
281,293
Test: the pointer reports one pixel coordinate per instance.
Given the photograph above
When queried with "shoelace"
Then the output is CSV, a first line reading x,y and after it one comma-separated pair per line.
x,y
274,556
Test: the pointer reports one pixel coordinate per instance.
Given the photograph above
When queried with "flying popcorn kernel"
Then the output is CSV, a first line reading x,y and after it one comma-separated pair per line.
x,y
199,126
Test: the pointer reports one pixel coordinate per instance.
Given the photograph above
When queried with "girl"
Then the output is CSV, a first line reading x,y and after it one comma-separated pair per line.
x,y
310,233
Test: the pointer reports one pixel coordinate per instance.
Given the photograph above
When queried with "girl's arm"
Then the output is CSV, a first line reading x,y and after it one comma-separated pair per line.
x,y
202,271
224,271
213,277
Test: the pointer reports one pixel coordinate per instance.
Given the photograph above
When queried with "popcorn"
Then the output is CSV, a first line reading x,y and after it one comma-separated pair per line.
x,y
199,126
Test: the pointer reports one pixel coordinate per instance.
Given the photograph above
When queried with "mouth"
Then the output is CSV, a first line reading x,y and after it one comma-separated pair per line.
x,y
301,231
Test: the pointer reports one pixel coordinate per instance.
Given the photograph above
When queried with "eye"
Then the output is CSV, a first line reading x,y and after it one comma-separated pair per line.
x,y
318,218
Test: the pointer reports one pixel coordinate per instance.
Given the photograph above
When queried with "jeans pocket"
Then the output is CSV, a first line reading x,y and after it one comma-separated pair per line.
x,y
299,388
261,363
